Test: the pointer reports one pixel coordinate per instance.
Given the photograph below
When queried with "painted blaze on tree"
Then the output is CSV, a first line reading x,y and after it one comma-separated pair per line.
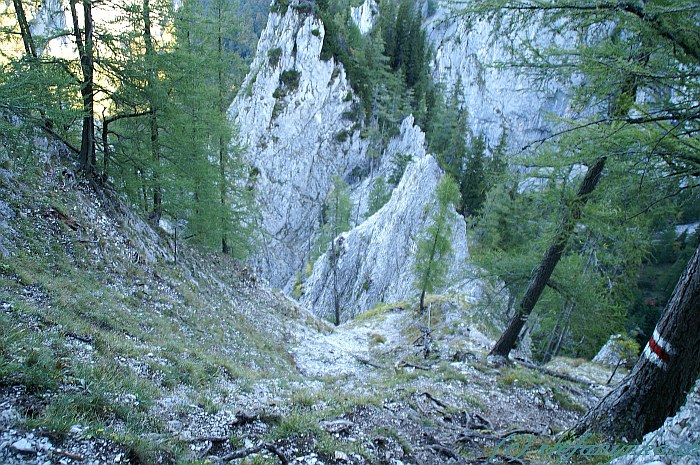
x,y
665,373
434,247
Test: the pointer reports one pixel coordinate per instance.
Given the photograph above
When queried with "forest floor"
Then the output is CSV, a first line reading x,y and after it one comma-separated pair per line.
x,y
113,350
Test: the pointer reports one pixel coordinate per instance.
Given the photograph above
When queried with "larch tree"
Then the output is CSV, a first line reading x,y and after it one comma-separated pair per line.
x,y
435,246
636,65
667,370
84,41
335,220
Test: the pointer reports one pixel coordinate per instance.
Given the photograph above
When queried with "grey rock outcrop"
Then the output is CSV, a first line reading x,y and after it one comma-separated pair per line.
x,y
364,15
496,99
617,351
295,121
677,442
375,259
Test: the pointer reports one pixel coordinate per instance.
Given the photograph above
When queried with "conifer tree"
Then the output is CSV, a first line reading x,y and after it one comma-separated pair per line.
x,y
84,40
338,208
625,49
434,246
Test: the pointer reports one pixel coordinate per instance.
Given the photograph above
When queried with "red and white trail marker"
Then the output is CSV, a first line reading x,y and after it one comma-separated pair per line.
x,y
658,351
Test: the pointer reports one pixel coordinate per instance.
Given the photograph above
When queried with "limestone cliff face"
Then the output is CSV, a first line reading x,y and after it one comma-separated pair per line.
x,y
294,117
467,51
51,20
375,260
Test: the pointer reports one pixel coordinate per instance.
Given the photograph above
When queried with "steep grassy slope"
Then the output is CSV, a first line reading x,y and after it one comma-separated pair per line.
x,y
98,322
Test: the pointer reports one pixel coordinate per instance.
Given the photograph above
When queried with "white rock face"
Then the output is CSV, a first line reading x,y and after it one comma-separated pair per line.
x,y
297,142
363,15
410,141
299,138
495,99
677,442
376,258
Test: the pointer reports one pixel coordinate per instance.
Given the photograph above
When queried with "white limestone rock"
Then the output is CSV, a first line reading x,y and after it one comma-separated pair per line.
x,y
616,351
364,15
376,258
51,20
466,49
297,142
409,141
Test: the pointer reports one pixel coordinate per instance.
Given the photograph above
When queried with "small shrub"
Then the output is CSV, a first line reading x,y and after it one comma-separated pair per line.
x,y
278,109
290,79
565,402
315,32
342,135
400,162
296,424
521,377
306,6
280,6
273,56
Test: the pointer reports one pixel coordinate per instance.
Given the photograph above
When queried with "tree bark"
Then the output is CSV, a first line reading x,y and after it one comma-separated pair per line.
x,y
151,77
27,39
223,181
669,366
549,261
84,43
426,276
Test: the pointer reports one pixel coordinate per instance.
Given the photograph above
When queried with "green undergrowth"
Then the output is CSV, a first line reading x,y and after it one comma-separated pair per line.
x,y
99,340
528,448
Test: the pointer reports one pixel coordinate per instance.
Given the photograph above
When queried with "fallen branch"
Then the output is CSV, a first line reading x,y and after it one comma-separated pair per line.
x,y
476,421
88,241
212,439
472,434
435,399
68,454
77,337
440,449
241,453
404,363
369,362
619,362
502,459
520,431
58,214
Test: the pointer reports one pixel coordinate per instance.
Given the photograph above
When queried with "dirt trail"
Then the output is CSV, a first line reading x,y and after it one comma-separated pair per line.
x,y
347,348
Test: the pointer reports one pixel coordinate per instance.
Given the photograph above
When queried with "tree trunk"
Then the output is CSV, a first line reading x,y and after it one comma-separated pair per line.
x,y
27,39
223,182
151,77
84,43
336,297
549,262
667,369
427,277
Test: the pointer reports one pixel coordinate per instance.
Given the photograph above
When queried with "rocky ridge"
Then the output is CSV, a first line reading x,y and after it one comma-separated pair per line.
x,y
294,117
375,260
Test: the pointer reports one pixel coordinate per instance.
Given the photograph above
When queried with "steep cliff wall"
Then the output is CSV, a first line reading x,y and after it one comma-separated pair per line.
x,y
496,100
376,259
294,118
